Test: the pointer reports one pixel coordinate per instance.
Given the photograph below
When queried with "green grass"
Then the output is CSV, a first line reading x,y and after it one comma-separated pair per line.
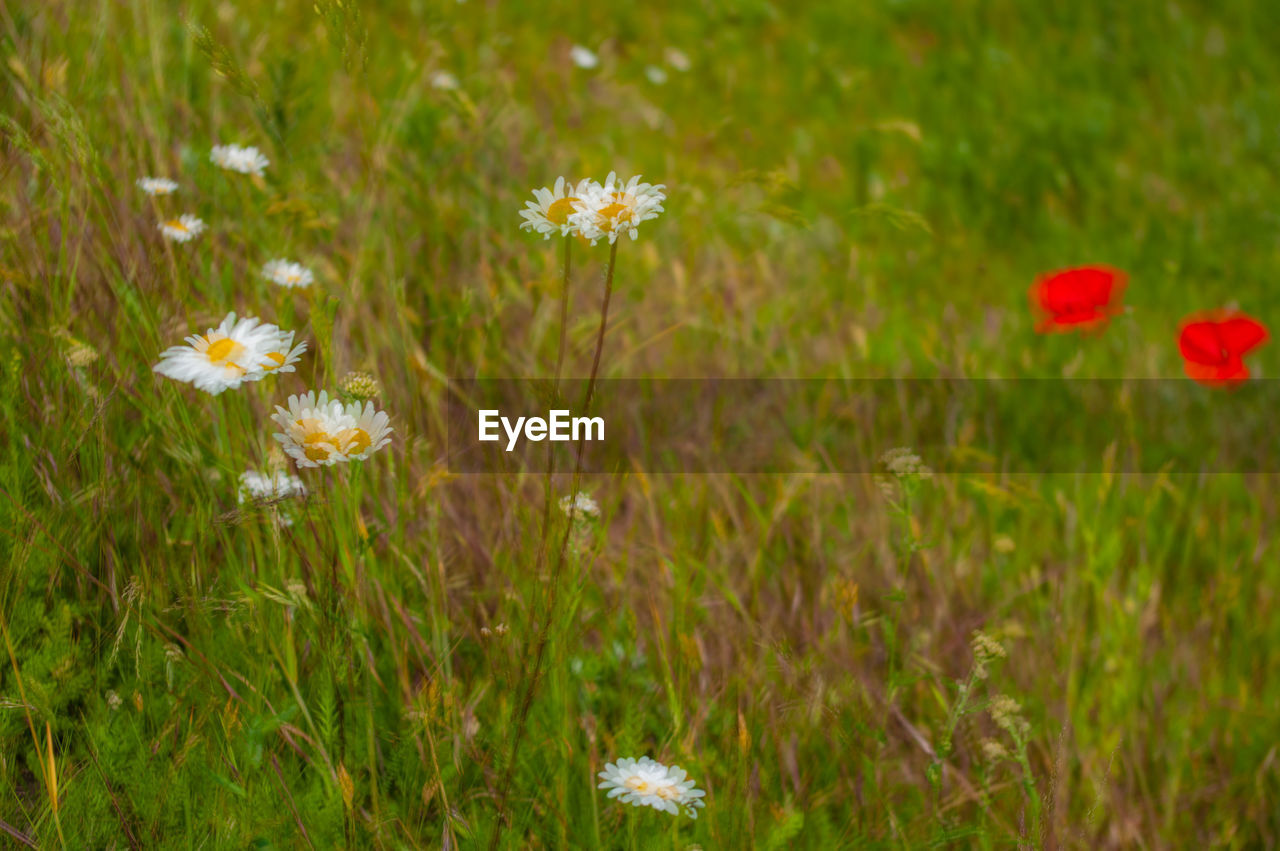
x,y
855,190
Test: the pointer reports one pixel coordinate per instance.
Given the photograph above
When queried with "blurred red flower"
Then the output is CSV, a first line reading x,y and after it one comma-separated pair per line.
x,y
1213,346
1084,298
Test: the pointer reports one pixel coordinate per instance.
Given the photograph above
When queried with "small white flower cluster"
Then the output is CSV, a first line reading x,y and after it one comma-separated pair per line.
x,y
243,160
235,352
593,210
317,430
647,783
581,504
260,487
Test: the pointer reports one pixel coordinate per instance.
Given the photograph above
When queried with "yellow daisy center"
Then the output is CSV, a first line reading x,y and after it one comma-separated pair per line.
x,y
222,351
638,784
317,443
619,211
278,361
176,224
559,211
356,440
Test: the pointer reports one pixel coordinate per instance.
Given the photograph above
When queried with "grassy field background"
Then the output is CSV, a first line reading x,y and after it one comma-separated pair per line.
x,y
855,190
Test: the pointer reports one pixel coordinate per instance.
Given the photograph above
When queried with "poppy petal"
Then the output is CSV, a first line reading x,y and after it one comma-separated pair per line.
x,y
1242,334
1201,343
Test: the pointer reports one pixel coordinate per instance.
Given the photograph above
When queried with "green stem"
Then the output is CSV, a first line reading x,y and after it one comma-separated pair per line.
x,y
544,629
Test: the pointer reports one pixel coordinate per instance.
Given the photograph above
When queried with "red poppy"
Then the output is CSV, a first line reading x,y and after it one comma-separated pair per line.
x,y
1084,298
1213,346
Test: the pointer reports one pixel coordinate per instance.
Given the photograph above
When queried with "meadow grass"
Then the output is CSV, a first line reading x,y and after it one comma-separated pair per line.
x,y
854,190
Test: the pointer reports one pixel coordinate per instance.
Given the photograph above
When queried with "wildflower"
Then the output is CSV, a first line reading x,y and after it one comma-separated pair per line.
x,y
552,209
360,385
225,357
1085,298
655,74
1213,346
182,229
582,57
287,274
257,486
677,59
80,355
243,160
157,185
993,750
903,463
985,651
444,81
613,208
318,430
580,503
646,783
1007,713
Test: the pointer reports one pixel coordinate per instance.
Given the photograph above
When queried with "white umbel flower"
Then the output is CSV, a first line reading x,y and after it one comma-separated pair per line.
x,y
646,783
257,486
182,229
551,209
612,208
157,185
225,357
583,57
317,430
287,274
583,504
235,158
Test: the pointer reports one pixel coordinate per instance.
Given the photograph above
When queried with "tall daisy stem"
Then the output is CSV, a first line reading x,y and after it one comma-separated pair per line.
x,y
544,628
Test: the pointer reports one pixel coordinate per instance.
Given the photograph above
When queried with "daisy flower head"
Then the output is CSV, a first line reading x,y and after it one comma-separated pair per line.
x,y
235,158
311,428
182,229
552,209
317,430
612,208
225,357
646,783
287,274
157,185
655,74
369,434
583,57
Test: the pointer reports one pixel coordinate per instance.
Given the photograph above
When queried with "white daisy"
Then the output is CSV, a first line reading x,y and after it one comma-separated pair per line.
x,y
225,357
236,158
443,80
646,783
613,208
582,57
655,74
369,434
552,209
312,427
182,229
257,486
581,503
287,274
157,185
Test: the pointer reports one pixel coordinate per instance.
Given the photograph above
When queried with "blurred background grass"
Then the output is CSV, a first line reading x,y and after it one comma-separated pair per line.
x,y
854,190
